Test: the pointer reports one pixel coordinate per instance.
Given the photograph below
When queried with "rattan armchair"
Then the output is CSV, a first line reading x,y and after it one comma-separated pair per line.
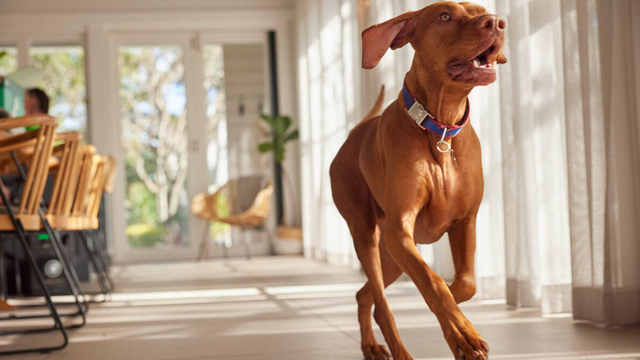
x,y
242,202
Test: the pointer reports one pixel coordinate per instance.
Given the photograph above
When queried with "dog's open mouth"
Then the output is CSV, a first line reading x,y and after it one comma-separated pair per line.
x,y
482,60
479,69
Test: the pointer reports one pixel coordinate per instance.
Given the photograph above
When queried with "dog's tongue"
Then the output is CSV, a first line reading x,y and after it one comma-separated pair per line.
x,y
469,71
464,69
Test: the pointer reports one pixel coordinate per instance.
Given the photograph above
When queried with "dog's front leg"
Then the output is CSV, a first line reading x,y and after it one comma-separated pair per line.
x,y
462,337
369,256
462,237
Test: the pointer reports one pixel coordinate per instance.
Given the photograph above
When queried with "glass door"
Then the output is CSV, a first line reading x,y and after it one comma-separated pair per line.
x,y
235,87
159,120
154,138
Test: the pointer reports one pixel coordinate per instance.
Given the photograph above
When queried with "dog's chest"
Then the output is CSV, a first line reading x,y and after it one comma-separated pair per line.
x,y
450,200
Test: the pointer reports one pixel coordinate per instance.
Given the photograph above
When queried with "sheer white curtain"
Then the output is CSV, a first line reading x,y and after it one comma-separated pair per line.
x,y
334,94
571,160
328,101
603,121
532,119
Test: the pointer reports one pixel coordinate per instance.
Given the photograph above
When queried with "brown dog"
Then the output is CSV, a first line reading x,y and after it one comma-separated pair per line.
x,y
397,184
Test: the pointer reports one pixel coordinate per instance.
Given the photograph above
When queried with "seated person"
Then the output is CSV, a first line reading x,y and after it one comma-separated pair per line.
x,y
36,102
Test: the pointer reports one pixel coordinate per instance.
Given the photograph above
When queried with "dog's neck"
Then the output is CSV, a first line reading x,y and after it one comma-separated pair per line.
x,y
447,103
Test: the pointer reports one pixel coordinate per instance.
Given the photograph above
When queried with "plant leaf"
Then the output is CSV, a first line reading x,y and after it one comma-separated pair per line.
x,y
268,119
266,147
292,136
287,123
280,125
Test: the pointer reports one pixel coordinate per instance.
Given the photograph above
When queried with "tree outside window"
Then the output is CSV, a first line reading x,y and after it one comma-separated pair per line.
x,y
64,82
153,115
8,60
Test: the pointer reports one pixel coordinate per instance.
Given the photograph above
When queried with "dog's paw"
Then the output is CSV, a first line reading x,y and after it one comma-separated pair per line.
x,y
464,340
375,352
478,355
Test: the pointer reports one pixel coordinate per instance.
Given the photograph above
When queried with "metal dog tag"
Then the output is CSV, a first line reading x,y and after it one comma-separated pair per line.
x,y
447,148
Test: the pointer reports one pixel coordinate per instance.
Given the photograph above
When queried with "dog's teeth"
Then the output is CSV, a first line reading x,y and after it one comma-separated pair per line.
x,y
476,62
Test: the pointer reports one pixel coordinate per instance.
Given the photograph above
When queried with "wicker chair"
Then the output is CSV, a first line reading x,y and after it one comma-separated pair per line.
x,y
242,202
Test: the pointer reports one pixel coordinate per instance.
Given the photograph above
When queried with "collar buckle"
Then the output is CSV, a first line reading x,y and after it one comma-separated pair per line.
x,y
418,113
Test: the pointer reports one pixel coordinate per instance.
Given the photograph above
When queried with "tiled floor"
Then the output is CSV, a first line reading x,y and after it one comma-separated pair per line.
x,y
292,308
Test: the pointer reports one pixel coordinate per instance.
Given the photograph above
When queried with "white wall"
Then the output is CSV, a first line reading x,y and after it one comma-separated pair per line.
x,y
244,84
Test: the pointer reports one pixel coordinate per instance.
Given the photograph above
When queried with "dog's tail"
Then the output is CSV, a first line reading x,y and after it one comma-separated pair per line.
x,y
377,107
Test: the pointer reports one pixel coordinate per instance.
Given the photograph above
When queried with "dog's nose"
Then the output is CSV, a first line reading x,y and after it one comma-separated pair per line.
x,y
491,23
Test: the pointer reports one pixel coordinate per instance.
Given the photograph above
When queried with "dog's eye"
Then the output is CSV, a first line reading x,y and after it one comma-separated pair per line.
x,y
445,17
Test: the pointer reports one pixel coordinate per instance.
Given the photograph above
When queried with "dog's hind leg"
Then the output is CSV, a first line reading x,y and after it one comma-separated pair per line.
x,y
390,273
355,203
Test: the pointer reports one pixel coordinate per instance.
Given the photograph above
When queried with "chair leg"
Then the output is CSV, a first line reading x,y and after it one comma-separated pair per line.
x,y
17,270
204,242
68,270
102,260
71,277
272,248
102,281
225,251
40,280
247,250
3,272
73,284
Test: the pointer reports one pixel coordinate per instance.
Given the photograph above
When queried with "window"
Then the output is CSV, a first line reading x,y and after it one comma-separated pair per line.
x,y
154,119
8,60
216,116
8,65
64,82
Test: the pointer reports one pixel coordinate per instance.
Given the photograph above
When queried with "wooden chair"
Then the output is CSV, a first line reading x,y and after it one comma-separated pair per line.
x,y
25,217
64,152
76,209
242,202
65,156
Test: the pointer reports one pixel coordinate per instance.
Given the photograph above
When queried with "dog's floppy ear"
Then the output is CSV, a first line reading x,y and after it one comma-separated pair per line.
x,y
394,33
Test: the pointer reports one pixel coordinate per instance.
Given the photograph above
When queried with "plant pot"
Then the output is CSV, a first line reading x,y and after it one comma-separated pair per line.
x,y
289,240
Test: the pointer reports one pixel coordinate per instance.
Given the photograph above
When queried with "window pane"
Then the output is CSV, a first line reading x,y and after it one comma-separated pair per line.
x,y
217,153
8,60
63,81
153,118
216,116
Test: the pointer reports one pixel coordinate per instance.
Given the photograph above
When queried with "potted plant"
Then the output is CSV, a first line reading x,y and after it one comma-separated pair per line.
x,y
280,134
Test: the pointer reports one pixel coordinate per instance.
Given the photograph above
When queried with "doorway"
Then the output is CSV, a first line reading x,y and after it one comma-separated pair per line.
x,y
189,121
